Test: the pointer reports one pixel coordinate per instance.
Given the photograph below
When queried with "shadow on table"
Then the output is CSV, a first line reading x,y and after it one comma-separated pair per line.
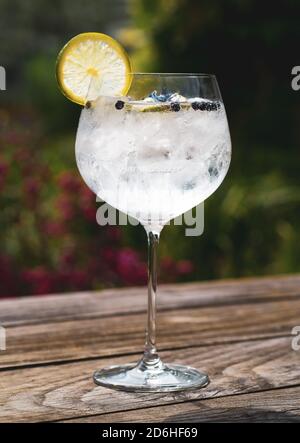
x,y
246,415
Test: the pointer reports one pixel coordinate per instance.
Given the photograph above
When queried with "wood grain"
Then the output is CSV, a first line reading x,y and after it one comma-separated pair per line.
x,y
115,335
29,310
63,391
276,405
236,330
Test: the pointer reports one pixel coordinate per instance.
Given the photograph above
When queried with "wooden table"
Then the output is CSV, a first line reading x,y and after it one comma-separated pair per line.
x,y
239,331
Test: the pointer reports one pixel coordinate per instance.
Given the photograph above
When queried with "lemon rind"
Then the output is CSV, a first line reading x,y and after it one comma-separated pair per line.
x,y
73,43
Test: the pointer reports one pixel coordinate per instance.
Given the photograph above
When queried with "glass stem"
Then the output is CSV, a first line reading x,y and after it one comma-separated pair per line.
x,y
151,358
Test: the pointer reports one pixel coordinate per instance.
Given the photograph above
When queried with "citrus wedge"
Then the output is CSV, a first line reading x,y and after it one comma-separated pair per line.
x,y
90,65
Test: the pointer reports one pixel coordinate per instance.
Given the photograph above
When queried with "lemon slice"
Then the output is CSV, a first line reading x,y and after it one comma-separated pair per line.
x,y
90,65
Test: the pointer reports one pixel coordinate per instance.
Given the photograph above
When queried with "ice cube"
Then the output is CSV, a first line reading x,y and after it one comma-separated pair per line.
x,y
177,98
197,99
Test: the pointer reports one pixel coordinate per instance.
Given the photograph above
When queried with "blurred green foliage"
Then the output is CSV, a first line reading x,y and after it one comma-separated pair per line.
x,y
251,221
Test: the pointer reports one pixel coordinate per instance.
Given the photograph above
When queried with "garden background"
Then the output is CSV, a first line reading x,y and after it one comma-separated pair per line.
x,y
49,239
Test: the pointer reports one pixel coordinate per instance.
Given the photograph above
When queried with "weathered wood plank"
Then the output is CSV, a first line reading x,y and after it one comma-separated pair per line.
x,y
29,310
276,405
73,339
57,392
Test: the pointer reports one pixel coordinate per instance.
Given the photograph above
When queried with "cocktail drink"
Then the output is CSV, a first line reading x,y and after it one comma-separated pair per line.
x,y
149,160
153,153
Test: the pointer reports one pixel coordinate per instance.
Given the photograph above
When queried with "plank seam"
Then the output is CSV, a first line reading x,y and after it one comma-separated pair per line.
x,y
178,348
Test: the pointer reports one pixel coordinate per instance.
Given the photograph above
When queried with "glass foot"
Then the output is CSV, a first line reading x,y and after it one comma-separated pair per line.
x,y
144,378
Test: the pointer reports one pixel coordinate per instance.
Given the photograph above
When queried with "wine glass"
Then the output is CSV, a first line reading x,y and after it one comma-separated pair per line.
x,y
154,155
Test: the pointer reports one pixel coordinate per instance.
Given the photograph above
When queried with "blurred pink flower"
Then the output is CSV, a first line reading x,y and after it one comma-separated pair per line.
x,y
8,286
184,267
73,279
130,268
31,188
65,207
67,258
87,204
78,255
171,269
69,181
39,280
89,214
54,228
167,268
113,234
3,173
79,279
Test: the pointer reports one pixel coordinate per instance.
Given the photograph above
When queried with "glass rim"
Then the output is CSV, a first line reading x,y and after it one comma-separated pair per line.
x,y
174,74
